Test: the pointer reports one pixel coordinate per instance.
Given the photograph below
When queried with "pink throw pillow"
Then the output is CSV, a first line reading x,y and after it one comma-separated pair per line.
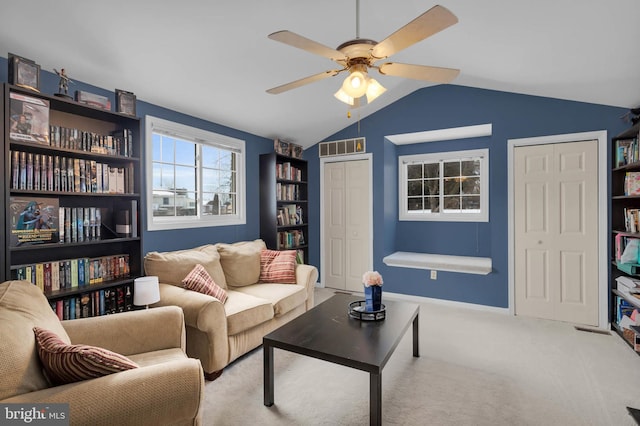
x,y
278,266
199,280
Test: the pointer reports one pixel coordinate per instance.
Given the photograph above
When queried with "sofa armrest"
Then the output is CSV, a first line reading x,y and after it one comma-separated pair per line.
x,y
307,276
129,333
171,393
201,311
206,322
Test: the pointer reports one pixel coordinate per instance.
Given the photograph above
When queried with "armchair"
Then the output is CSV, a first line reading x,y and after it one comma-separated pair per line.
x,y
167,388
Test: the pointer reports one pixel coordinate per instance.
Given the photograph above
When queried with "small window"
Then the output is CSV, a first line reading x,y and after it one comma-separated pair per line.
x,y
194,178
445,186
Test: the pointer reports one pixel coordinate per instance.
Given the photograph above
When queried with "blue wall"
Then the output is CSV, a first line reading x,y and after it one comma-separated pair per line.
x,y
445,106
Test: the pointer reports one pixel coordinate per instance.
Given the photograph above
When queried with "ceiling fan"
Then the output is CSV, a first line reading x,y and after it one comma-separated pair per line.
x,y
359,55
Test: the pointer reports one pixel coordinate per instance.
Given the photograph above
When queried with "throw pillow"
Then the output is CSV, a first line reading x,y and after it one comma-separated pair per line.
x,y
241,262
278,266
172,266
199,280
65,363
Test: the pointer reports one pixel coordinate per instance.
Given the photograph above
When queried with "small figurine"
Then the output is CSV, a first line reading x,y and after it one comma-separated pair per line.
x,y
63,84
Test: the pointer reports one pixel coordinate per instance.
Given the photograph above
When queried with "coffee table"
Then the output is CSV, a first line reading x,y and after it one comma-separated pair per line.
x,y
327,332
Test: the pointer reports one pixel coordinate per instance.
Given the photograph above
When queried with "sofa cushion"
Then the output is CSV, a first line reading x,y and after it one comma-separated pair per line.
x,y
22,307
245,311
278,266
199,280
283,297
241,262
172,266
65,363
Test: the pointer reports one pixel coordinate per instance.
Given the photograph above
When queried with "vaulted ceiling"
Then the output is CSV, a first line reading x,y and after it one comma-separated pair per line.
x,y
213,60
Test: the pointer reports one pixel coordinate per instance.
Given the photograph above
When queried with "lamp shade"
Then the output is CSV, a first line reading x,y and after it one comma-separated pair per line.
x,y
355,85
146,291
342,96
374,89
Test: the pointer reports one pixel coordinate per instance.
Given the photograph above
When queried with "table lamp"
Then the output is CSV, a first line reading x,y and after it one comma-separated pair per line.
x,y
146,291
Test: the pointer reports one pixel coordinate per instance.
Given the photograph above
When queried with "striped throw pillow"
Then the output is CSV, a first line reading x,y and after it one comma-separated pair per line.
x,y
199,280
278,266
64,363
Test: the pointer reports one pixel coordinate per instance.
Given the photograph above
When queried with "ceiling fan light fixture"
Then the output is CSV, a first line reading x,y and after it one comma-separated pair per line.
x,y
342,96
355,85
374,89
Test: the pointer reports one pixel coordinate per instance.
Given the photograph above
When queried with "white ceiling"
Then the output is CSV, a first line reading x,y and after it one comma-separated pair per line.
x,y
212,58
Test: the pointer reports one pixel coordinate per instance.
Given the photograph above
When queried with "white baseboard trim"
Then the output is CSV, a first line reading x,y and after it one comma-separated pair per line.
x,y
451,303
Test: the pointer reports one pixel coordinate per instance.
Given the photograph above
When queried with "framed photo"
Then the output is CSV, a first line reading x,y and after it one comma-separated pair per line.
x,y
296,150
24,72
91,99
125,102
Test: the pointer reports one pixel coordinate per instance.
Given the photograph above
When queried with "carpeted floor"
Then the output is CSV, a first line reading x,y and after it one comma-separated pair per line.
x,y
476,368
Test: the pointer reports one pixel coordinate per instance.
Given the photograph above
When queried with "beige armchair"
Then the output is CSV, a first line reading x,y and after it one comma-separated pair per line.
x,y
166,389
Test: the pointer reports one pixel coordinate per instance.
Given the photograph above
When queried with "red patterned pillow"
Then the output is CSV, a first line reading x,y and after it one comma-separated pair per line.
x,y
278,266
199,280
64,363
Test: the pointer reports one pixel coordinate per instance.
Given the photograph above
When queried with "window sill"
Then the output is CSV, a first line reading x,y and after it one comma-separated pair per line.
x,y
439,262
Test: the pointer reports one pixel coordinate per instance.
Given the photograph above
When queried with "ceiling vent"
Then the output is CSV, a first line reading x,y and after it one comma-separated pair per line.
x,y
342,147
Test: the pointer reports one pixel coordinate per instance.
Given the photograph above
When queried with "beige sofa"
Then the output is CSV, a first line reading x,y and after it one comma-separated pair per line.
x,y
166,389
218,333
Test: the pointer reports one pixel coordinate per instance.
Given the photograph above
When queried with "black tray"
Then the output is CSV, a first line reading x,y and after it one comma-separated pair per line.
x,y
357,311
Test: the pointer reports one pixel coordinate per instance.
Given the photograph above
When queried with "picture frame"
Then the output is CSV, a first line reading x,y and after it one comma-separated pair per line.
x,y
125,102
24,72
296,150
94,100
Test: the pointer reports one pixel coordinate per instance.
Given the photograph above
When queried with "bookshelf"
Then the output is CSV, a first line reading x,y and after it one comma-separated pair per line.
x,y
71,187
625,227
283,203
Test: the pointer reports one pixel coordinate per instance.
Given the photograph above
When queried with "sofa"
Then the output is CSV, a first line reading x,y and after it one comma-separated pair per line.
x,y
165,388
219,332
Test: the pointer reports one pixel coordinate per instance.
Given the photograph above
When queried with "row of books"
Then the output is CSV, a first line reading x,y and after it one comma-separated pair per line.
x,y
286,171
628,286
119,142
632,183
631,220
96,303
80,224
287,192
627,320
42,172
627,151
73,273
289,214
290,239
620,243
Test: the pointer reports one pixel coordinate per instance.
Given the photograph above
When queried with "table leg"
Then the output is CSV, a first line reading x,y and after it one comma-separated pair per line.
x,y
416,343
375,399
268,375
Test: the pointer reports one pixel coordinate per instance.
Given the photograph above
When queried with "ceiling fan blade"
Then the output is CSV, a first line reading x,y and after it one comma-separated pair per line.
x,y
303,81
429,23
419,72
295,40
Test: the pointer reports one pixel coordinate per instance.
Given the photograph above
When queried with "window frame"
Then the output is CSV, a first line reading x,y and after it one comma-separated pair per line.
x,y
199,137
439,157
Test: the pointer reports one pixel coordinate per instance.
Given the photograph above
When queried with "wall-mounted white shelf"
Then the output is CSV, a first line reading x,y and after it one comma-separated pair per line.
x,y
439,262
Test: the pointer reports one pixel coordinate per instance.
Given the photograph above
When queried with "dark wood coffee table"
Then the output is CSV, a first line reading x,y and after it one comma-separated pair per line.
x,y
327,332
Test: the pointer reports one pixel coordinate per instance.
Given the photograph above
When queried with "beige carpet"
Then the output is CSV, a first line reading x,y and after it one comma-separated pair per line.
x,y
476,368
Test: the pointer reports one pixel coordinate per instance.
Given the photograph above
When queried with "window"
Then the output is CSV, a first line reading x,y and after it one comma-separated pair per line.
x,y
445,186
195,178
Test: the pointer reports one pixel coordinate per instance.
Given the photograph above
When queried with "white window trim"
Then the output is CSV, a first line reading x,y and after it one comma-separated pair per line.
x,y
203,137
483,216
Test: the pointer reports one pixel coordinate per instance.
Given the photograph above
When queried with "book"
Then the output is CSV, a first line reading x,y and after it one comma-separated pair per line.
x,y
34,220
629,268
29,119
632,183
